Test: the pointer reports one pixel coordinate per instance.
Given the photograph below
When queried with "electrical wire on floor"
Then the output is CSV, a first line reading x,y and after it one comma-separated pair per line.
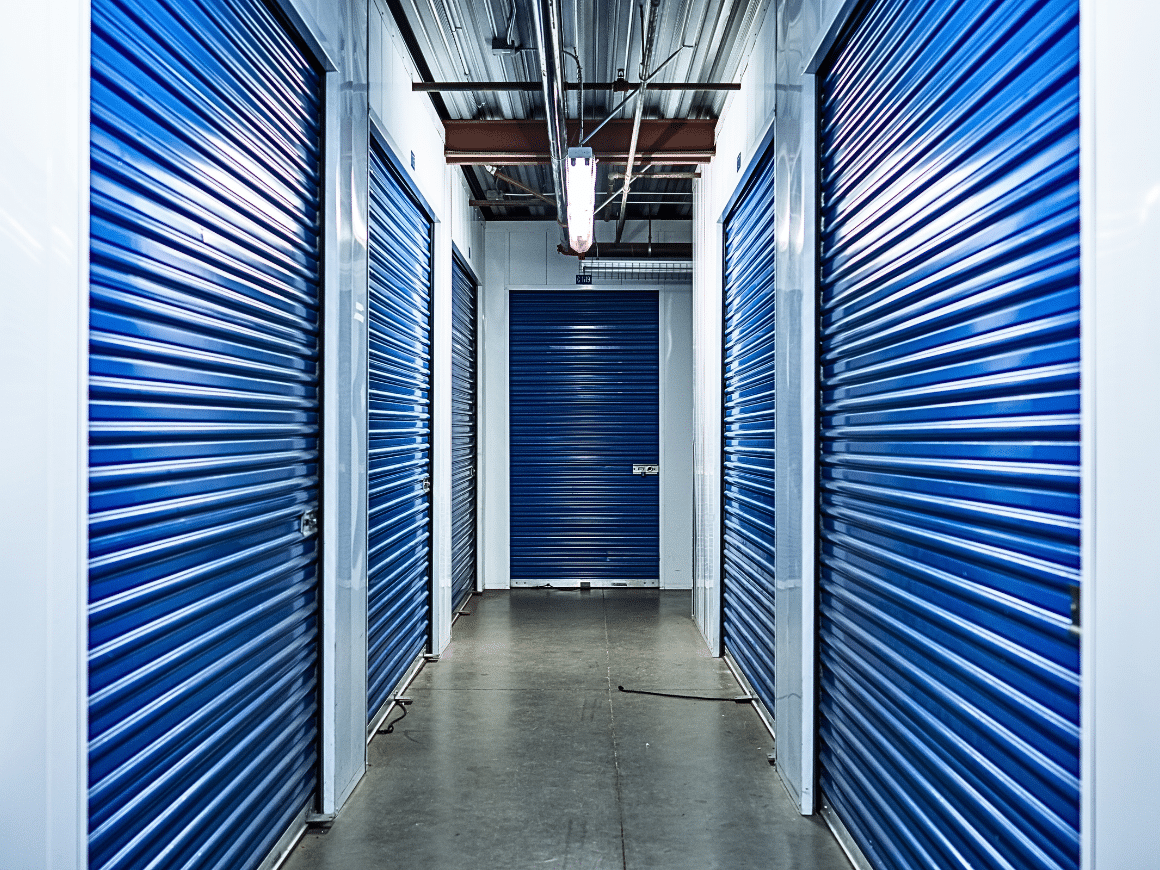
x,y
402,705
736,699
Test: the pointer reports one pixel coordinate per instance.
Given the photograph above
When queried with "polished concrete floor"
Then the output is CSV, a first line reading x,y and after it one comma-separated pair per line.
x,y
519,751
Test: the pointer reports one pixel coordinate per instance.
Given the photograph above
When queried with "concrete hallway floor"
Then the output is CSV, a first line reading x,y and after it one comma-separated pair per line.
x,y
520,752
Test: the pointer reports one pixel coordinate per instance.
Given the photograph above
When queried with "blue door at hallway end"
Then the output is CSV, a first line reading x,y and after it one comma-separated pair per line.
x,y
584,411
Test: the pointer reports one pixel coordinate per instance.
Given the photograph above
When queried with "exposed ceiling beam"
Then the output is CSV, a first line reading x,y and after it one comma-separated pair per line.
x,y
448,87
675,142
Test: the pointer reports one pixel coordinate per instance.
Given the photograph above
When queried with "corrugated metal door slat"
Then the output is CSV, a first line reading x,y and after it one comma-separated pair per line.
x,y
463,433
748,592
950,434
584,407
399,437
204,433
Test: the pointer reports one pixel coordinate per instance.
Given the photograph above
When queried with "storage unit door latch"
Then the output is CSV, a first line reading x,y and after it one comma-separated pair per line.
x,y
309,523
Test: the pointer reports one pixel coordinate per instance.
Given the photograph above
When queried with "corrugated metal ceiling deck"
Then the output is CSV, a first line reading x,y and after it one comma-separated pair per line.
x,y
451,41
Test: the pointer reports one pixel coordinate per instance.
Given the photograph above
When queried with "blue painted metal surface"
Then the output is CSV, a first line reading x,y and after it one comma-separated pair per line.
x,y
463,432
399,436
748,597
584,407
950,434
204,433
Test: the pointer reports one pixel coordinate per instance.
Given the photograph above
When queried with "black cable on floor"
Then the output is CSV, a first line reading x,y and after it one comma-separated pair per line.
x,y
743,699
390,729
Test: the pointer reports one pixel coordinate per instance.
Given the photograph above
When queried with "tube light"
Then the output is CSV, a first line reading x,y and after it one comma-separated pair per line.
x,y
580,178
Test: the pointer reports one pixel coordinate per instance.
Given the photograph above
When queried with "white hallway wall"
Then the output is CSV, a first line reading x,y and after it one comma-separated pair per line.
x,y
1120,169
1120,189
523,254
43,366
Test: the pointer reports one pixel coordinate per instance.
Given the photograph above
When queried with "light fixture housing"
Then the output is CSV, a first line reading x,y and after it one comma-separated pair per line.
x,y
580,178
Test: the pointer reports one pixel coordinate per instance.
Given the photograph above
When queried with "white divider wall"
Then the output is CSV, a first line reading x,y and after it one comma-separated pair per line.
x,y
1120,217
676,447
333,31
494,539
708,323
441,548
44,203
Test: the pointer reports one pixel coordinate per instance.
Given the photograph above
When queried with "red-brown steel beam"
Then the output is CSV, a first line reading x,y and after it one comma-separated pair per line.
x,y
513,142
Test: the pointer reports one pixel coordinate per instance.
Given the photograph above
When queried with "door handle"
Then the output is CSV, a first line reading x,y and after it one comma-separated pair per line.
x,y
308,523
644,469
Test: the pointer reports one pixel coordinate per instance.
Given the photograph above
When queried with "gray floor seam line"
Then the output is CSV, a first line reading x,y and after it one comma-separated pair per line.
x,y
612,728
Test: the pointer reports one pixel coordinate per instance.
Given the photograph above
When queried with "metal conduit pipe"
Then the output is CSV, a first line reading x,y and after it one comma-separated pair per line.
x,y
645,60
549,45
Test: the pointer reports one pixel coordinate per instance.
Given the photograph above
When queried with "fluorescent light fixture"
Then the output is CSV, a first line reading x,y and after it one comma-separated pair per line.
x,y
639,270
580,178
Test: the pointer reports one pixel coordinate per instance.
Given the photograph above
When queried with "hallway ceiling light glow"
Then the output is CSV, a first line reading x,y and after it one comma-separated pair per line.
x,y
580,177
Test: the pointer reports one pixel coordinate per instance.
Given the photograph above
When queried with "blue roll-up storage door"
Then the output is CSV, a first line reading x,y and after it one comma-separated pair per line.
x,y
747,613
950,434
463,432
399,438
584,408
204,433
